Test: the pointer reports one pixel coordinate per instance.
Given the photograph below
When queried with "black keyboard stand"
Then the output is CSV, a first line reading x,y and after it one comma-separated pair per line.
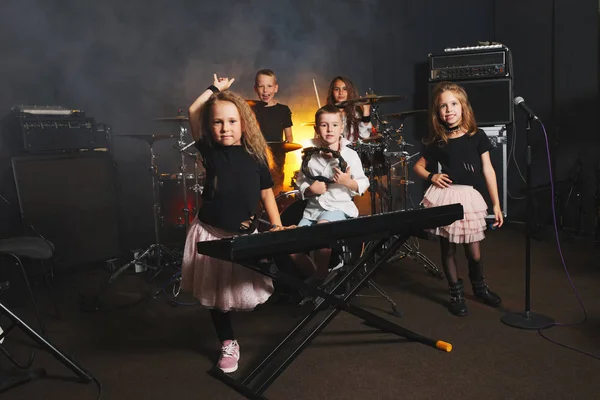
x,y
26,375
326,307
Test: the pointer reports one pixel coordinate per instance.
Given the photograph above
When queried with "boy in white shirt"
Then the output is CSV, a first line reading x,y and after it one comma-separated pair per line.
x,y
328,202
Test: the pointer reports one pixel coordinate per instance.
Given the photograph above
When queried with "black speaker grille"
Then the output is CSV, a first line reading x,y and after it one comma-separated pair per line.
x,y
491,99
72,201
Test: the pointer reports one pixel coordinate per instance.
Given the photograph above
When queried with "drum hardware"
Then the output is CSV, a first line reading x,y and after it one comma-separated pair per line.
x,y
172,204
388,136
371,99
405,114
408,249
183,168
156,250
178,118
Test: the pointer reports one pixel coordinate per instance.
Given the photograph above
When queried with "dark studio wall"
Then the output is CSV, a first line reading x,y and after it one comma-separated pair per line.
x,y
555,49
125,63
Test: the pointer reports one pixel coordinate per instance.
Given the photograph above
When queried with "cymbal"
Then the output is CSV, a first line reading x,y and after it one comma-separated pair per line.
x,y
252,103
371,99
405,114
285,146
151,138
179,118
308,123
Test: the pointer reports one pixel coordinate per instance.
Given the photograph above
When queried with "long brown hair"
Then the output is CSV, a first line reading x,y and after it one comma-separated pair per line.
x,y
252,138
351,111
437,128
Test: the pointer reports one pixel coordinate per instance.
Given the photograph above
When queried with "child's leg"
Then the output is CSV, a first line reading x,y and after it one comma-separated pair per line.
x,y
230,349
449,260
480,288
302,261
303,264
457,304
222,323
323,256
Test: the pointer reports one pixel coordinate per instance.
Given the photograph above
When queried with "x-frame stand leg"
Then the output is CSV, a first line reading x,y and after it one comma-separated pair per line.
x,y
254,384
414,253
44,345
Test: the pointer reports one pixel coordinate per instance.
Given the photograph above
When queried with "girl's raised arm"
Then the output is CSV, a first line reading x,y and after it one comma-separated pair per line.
x,y
219,84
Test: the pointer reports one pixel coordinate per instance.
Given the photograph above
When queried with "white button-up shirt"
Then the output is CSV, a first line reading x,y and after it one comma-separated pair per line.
x,y
337,197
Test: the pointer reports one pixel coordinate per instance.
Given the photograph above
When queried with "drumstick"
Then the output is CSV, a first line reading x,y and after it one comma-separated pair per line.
x,y
317,94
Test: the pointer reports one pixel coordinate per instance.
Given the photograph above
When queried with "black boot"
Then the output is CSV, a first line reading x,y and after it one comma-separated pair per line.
x,y
457,299
483,293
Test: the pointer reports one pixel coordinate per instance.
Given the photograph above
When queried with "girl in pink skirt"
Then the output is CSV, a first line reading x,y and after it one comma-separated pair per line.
x,y
236,158
462,149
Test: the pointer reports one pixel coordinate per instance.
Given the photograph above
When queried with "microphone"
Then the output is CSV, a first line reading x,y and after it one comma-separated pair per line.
x,y
520,102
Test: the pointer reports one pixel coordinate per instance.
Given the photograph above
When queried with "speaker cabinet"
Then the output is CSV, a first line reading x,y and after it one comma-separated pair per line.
x,y
71,200
491,99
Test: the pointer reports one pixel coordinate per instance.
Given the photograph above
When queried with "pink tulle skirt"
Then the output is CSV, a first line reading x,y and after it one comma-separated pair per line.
x,y
470,228
217,283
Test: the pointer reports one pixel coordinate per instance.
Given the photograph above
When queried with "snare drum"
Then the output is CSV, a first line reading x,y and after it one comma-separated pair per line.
x,y
171,198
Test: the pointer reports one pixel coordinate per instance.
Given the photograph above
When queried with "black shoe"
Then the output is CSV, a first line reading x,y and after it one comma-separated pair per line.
x,y
483,293
457,305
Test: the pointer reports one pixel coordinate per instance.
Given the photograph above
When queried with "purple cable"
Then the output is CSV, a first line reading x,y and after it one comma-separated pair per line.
x,y
562,259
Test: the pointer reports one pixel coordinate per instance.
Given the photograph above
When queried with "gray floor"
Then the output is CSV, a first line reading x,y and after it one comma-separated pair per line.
x,y
156,351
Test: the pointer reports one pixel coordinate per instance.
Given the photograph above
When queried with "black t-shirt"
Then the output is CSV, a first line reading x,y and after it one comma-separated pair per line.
x,y
461,157
234,180
272,120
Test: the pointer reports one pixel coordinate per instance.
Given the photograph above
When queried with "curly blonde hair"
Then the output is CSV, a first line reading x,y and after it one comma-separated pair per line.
x,y
252,137
437,127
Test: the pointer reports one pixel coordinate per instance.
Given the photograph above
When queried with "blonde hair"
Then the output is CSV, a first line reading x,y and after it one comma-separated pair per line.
x,y
252,138
437,128
266,72
327,109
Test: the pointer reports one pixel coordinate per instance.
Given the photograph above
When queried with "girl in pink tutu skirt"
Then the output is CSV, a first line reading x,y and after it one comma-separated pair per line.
x,y
236,158
462,149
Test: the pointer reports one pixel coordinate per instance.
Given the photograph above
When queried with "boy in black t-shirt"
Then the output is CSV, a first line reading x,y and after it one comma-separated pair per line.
x,y
275,121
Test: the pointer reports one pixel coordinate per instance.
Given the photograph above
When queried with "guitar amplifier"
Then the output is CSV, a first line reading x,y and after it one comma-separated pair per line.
x,y
476,62
44,129
485,72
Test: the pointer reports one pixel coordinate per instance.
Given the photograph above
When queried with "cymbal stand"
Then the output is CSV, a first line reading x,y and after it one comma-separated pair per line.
x,y
183,168
410,248
376,187
157,250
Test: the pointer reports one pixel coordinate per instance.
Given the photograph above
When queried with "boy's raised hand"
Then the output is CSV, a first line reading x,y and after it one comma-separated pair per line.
x,y
222,83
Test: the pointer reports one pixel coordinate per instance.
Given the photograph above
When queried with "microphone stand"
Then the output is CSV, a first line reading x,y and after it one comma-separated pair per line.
x,y
527,319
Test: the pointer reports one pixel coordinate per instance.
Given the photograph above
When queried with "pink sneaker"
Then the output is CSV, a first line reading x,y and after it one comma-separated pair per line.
x,y
230,354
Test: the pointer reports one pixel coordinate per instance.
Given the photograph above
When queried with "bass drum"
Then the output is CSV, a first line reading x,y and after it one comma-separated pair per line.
x,y
291,212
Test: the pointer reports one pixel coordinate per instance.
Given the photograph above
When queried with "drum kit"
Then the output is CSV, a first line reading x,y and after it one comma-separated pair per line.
x,y
176,197
384,155
175,200
386,159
